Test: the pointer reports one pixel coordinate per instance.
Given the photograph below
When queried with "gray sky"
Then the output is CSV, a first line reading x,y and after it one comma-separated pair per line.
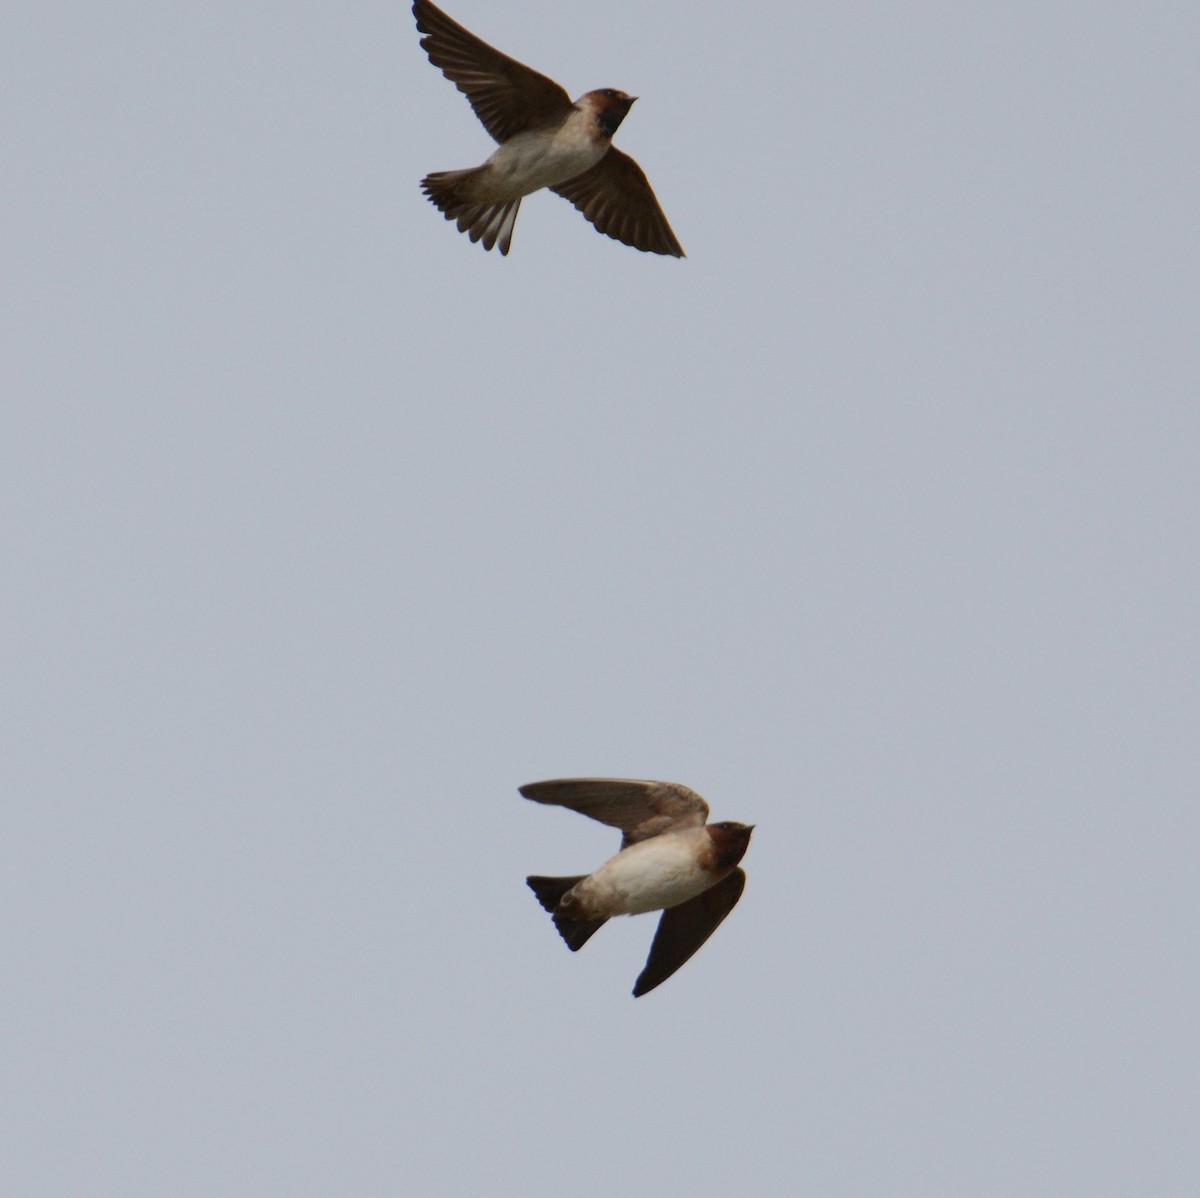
x,y
874,520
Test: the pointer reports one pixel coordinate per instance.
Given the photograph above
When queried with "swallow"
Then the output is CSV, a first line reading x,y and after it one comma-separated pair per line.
x,y
545,141
671,861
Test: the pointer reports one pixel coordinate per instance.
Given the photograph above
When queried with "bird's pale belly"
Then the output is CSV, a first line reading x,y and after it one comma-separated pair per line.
x,y
648,876
530,161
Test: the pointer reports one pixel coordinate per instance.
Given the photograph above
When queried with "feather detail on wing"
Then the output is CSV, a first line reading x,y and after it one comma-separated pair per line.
x,y
617,198
640,809
507,95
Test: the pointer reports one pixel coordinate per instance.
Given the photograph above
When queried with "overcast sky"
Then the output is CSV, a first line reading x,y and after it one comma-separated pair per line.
x,y
874,520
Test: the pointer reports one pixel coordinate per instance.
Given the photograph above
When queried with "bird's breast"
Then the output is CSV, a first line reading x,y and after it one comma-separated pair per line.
x,y
543,157
649,876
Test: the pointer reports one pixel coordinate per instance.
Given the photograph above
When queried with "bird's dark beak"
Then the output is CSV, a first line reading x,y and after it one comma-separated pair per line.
x,y
632,100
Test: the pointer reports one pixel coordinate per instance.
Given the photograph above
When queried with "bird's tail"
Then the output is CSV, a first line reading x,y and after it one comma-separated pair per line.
x,y
491,223
575,931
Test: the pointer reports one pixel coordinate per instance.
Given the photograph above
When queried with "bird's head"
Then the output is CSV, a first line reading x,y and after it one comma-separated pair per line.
x,y
609,107
729,841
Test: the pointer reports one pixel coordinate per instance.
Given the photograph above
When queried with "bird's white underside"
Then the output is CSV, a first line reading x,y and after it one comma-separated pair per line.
x,y
531,160
648,876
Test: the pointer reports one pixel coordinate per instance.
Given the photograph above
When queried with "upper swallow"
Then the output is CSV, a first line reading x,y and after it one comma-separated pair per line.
x,y
545,141
670,861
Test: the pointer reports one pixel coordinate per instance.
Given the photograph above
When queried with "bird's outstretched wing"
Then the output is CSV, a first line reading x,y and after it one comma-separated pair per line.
x,y
639,809
507,95
617,198
683,929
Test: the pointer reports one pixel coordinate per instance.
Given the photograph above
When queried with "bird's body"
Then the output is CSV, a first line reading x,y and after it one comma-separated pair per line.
x,y
650,875
670,861
546,140
529,161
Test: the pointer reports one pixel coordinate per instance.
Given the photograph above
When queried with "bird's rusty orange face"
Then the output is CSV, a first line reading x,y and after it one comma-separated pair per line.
x,y
611,107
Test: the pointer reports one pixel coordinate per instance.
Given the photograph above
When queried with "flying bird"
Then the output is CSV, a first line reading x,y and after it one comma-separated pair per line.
x,y
671,861
545,141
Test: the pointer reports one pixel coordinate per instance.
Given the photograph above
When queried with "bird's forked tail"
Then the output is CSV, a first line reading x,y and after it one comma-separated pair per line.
x,y
575,931
489,222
